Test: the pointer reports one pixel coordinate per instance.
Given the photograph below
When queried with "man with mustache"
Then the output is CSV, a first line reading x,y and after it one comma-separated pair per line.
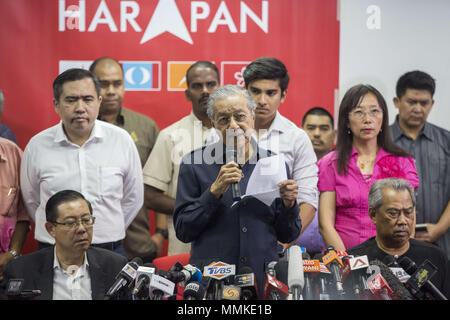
x,y
183,136
267,80
87,155
138,241
429,145
392,208
71,269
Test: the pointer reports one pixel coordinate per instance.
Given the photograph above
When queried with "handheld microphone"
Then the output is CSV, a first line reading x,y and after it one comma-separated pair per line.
x,y
296,279
333,262
143,278
399,290
420,278
218,273
357,267
160,286
231,155
231,292
310,267
245,280
193,291
124,278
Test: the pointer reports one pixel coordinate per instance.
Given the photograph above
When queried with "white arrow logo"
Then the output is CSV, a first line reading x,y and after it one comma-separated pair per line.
x,y
166,17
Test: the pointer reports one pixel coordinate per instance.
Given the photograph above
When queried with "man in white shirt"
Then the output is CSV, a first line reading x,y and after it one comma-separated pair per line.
x,y
81,153
180,138
70,270
267,79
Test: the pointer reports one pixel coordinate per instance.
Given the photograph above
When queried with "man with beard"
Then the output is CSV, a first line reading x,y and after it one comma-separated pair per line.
x,y
392,208
429,145
71,269
87,155
180,138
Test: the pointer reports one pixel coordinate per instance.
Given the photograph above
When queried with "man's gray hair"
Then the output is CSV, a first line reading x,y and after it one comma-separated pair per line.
x,y
229,91
397,184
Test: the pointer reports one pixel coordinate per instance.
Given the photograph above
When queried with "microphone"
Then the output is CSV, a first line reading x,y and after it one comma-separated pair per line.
x,y
333,262
398,271
296,279
399,290
231,155
14,291
310,267
245,280
231,292
420,278
217,272
124,278
160,286
143,278
357,267
193,291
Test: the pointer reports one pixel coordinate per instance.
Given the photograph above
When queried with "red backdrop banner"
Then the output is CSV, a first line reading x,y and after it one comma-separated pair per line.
x,y
156,40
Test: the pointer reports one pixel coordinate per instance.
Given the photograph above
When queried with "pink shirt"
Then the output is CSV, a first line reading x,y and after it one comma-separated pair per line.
x,y
11,204
353,223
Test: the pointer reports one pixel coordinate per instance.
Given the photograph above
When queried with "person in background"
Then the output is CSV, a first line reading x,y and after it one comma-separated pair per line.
x,y
429,145
364,153
14,219
71,269
392,208
267,80
178,139
5,131
318,123
138,241
84,154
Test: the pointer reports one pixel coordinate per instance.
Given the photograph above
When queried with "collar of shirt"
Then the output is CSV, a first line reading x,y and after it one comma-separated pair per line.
x,y
120,120
3,157
80,271
60,135
397,132
380,154
209,134
258,152
277,125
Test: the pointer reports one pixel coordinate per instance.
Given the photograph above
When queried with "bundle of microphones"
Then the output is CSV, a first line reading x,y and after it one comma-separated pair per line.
x,y
333,275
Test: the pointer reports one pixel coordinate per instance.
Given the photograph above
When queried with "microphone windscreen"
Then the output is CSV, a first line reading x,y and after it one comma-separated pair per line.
x,y
399,289
295,267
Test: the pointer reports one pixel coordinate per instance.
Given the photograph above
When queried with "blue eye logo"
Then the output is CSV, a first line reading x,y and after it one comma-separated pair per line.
x,y
140,75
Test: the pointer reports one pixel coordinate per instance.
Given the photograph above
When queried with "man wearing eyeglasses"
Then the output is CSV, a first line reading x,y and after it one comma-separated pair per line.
x,y
71,269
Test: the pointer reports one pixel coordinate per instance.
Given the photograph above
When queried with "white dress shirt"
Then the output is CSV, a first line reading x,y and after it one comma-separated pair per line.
x,y
73,283
293,142
106,169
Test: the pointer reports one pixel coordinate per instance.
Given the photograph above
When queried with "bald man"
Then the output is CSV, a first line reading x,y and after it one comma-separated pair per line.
x,y
143,130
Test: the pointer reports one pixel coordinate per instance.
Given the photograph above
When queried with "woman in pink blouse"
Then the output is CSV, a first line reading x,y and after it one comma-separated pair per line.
x,y
364,153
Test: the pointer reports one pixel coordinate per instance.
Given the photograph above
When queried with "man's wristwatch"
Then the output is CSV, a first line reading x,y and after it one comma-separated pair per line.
x,y
14,253
164,232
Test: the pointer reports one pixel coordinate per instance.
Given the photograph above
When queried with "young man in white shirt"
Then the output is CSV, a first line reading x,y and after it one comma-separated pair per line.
x,y
84,154
267,79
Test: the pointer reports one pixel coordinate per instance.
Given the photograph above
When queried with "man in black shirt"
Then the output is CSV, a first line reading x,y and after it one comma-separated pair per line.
x,y
392,205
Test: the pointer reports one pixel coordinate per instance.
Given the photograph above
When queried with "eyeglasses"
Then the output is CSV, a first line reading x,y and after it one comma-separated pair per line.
x,y
73,224
359,114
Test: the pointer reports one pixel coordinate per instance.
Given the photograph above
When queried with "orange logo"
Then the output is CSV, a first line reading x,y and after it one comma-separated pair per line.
x,y
176,75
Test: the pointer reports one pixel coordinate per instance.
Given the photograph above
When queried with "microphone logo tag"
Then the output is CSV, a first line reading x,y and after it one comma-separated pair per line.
x,y
219,270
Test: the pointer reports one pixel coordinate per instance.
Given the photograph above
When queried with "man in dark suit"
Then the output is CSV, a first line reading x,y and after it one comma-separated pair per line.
x,y
71,269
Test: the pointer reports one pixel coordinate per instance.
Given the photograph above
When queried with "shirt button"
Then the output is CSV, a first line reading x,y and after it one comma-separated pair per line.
x,y
243,259
244,229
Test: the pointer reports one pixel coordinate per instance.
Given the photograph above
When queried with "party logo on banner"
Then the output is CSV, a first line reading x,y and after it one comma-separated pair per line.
x,y
176,75
142,75
231,72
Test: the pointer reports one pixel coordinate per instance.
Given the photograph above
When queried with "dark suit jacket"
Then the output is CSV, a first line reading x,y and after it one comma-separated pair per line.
x,y
37,270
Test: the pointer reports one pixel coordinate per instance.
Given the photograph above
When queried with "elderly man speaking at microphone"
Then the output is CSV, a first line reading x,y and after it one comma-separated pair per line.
x,y
245,233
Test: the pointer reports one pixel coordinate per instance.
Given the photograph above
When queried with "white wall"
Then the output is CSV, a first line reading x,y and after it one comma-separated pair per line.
x,y
382,39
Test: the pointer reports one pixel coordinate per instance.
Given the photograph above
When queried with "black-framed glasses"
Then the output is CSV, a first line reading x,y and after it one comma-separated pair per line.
x,y
73,224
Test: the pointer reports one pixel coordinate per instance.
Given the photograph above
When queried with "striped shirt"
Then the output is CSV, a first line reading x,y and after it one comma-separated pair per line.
x,y
431,151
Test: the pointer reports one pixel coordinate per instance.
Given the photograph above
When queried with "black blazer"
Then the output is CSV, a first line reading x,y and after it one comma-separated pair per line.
x,y
37,270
